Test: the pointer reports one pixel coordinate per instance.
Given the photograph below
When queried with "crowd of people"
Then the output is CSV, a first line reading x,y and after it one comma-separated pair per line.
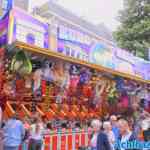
x,y
108,133
105,132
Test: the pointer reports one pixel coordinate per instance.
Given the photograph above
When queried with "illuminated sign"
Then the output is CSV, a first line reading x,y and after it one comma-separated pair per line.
x,y
102,55
69,34
29,30
72,50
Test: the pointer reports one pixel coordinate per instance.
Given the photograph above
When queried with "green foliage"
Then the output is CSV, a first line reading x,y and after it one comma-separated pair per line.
x,y
134,32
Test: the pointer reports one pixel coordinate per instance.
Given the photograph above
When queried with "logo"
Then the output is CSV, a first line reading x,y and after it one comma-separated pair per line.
x,y
132,145
5,6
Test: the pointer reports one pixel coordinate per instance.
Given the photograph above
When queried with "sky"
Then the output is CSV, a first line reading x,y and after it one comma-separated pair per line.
x,y
95,11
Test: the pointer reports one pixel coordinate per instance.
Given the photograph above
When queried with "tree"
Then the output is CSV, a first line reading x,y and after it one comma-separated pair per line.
x,y
134,32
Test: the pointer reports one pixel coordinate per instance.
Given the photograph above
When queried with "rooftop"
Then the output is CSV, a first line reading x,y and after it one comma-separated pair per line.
x,y
53,8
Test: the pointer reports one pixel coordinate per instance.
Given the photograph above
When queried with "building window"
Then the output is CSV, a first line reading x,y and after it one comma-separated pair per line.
x,y
78,55
73,53
67,51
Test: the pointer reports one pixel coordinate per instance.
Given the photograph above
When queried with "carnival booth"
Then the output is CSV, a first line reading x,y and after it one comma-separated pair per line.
x,y
34,78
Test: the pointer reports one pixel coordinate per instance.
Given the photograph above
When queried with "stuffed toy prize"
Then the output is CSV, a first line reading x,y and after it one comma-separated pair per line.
x,y
119,84
85,76
21,64
47,71
37,78
74,70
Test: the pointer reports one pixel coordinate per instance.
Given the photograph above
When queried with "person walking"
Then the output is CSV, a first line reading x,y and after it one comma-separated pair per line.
x,y
36,135
114,124
126,134
108,130
26,124
99,140
13,133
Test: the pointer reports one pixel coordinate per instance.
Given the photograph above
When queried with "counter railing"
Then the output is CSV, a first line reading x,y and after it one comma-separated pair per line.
x,y
64,140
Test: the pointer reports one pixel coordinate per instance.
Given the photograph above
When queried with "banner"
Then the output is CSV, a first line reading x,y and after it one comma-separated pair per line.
x,y
77,44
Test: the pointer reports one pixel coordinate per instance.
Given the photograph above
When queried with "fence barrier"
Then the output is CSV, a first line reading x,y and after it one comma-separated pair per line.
x,y
64,140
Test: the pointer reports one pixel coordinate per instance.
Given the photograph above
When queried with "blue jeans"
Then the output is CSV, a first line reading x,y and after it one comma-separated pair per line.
x,y
11,148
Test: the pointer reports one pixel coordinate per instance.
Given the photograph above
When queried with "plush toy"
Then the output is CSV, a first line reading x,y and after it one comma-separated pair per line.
x,y
113,95
74,80
21,64
99,90
66,79
28,82
43,88
48,74
58,71
85,76
37,78
87,90
20,84
119,84
74,70
59,97
124,100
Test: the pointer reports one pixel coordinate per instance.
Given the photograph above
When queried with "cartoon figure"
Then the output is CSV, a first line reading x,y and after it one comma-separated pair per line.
x,y
37,78
48,74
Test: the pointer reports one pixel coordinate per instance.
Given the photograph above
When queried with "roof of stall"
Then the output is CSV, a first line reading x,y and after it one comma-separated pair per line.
x,y
48,53
52,8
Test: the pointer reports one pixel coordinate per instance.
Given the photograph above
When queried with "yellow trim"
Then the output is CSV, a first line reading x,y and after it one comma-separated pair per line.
x,y
9,108
50,53
10,27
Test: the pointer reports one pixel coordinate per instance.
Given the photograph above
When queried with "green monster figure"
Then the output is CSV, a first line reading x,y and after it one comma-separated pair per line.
x,y
113,95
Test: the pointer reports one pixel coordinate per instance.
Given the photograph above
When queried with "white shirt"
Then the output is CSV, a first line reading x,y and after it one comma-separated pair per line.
x,y
111,138
37,135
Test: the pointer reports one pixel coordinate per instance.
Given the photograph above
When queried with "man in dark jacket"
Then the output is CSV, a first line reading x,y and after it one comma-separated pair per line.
x,y
99,140
102,142
126,135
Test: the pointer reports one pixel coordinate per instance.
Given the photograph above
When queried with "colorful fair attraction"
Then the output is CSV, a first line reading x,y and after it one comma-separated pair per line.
x,y
64,73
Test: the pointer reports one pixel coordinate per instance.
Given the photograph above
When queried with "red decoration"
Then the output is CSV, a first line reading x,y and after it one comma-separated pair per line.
x,y
43,88
87,90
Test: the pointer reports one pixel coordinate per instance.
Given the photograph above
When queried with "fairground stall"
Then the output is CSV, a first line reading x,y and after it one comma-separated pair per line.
x,y
65,74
